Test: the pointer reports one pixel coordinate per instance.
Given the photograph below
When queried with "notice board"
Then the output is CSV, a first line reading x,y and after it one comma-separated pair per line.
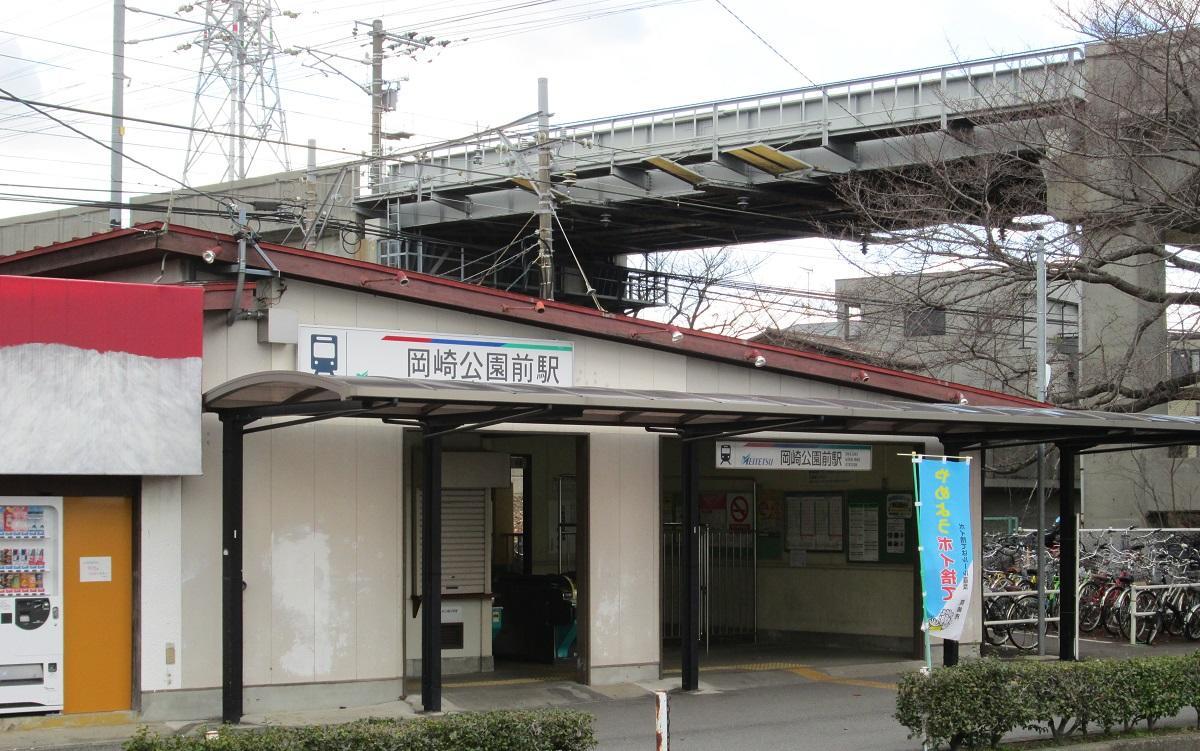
x,y
815,521
880,527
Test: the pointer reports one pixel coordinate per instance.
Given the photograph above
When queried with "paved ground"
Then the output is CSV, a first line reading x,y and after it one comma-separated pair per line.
x,y
807,700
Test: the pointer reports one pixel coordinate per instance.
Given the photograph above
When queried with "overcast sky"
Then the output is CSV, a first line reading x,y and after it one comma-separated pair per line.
x,y
654,53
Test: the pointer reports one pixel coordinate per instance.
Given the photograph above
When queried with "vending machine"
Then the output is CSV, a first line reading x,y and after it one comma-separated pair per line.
x,y
31,625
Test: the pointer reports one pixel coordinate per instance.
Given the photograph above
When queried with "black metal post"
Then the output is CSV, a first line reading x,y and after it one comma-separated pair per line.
x,y
231,567
949,646
949,653
1068,559
689,602
431,574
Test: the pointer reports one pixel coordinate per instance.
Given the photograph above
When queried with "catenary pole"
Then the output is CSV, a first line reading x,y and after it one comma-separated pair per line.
x,y
117,138
545,209
377,36
1041,448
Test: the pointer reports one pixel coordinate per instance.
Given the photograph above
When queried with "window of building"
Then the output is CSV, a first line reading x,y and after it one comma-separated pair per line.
x,y
926,321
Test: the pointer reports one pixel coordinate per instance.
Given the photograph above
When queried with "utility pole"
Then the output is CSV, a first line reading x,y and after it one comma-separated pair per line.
x,y
117,137
310,197
545,209
376,101
1041,452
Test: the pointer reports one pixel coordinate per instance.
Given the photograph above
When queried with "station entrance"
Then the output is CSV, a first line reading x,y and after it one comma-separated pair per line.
x,y
535,577
510,539
814,553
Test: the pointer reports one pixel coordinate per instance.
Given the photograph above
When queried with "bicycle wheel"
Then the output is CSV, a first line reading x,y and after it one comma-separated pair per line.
x,y
1191,623
1116,619
996,609
1149,618
1174,615
1024,636
1090,606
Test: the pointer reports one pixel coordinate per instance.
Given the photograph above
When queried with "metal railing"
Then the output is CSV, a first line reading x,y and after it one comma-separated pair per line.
x,y
728,565
1134,613
933,94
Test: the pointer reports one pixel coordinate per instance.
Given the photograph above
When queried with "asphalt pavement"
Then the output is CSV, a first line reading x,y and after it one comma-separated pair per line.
x,y
750,697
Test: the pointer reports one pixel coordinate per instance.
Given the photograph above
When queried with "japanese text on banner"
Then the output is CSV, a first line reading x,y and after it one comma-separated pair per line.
x,y
946,549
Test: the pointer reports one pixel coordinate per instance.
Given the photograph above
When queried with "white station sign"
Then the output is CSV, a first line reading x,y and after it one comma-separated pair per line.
x,y
328,350
827,457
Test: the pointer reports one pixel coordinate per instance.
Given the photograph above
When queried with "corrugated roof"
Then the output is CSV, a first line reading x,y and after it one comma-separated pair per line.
x,y
293,393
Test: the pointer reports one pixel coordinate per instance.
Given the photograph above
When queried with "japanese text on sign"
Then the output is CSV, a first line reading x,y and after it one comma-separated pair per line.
x,y
792,456
435,357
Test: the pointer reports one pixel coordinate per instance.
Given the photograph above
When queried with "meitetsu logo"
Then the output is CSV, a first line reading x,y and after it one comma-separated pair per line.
x,y
757,461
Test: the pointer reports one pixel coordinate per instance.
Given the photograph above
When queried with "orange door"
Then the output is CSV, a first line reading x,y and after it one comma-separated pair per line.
x,y
97,614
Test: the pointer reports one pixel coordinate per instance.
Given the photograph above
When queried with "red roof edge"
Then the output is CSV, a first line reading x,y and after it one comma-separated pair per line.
x,y
434,290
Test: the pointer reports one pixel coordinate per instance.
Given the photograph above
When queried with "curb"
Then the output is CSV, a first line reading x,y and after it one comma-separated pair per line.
x,y
1189,741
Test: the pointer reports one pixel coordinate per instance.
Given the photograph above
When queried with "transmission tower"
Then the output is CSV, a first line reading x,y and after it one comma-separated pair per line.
x,y
237,89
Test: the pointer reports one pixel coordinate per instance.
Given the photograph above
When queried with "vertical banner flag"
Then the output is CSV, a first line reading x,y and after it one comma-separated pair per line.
x,y
947,551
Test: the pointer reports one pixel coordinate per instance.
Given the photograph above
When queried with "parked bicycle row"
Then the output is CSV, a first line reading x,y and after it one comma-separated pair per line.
x,y
1133,584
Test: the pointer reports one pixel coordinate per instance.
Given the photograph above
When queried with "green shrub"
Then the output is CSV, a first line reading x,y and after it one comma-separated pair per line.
x,y
534,730
975,703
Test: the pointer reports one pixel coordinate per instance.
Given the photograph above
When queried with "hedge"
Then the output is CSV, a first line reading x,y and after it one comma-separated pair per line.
x,y
533,730
974,704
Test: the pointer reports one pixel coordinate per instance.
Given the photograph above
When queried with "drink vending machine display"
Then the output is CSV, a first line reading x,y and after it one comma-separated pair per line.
x,y
31,626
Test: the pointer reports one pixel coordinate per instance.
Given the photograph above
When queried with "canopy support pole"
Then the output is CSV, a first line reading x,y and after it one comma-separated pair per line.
x,y
431,573
232,481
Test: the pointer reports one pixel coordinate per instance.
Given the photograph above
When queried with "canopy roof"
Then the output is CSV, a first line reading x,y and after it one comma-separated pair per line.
x,y
443,405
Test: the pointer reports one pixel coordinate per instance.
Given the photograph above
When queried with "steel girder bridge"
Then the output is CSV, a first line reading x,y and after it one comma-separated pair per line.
x,y
752,169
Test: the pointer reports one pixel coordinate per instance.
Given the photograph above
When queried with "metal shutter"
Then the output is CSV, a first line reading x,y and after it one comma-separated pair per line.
x,y
464,541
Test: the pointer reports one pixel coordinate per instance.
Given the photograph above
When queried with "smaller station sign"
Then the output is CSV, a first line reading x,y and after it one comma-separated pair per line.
x,y
827,457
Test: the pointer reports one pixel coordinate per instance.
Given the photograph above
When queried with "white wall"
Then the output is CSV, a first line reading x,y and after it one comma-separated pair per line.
x,y
161,579
623,630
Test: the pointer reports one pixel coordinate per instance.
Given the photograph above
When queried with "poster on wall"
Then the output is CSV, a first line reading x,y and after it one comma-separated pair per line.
x,y
329,350
740,510
814,522
712,510
863,532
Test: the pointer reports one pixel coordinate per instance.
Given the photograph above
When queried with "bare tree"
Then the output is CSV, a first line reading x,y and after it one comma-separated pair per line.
x,y
1104,168
712,290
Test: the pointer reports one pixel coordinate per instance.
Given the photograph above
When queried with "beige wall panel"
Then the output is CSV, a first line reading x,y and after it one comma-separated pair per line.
x,y
244,354
800,599
379,547
335,547
301,297
376,312
765,383
702,376
293,555
415,317
622,573
201,563
634,368
336,307
789,386
214,365
670,371
732,379
640,540
256,558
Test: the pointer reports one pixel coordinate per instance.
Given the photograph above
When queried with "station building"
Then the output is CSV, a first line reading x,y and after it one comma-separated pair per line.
x,y
563,515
